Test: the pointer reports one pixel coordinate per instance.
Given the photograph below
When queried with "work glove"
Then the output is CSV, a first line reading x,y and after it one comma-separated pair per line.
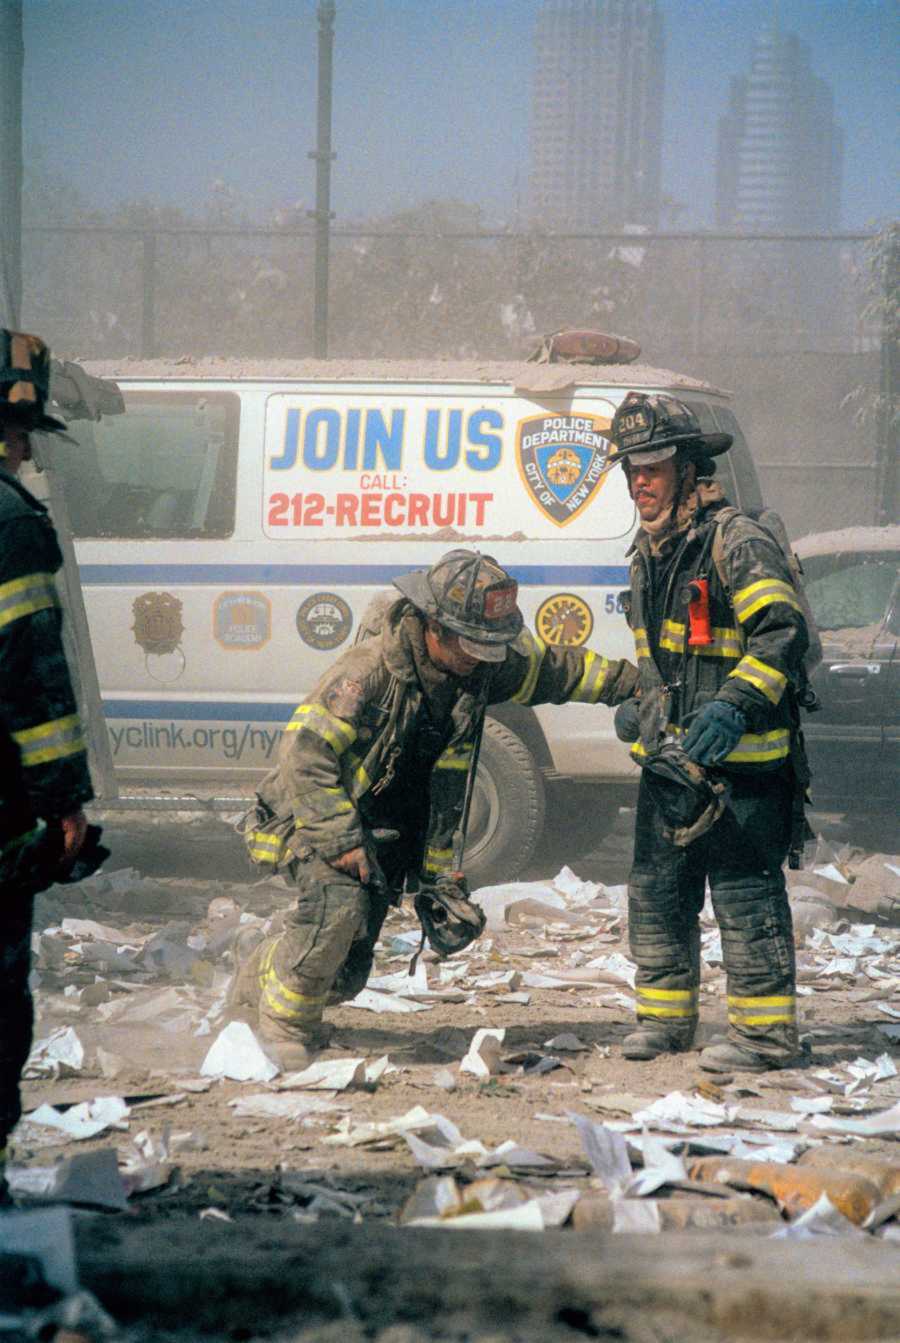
x,y
714,733
626,721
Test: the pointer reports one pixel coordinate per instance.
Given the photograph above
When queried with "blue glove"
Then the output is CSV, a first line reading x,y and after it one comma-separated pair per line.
x,y
715,732
626,721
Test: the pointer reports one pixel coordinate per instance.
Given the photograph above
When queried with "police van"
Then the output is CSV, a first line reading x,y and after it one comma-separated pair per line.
x,y
233,524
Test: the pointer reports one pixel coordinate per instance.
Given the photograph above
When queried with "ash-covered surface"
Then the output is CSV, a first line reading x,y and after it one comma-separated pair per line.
x,y
512,373
648,1195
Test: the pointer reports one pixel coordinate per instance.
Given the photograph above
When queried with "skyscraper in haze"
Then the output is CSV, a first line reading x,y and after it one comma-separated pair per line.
x,y
780,151
597,114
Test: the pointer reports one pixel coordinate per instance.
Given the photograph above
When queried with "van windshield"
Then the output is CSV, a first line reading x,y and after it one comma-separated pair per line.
x,y
166,468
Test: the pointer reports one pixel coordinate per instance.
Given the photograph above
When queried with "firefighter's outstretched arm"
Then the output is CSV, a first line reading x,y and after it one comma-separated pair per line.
x,y
538,673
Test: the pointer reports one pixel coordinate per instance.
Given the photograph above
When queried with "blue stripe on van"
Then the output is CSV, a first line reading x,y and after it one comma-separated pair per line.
x,y
231,711
343,575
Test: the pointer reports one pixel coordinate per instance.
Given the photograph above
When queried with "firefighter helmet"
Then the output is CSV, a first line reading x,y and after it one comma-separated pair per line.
x,y
470,594
650,428
25,383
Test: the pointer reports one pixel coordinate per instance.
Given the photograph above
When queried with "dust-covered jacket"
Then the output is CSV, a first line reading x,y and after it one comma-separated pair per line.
x,y
385,738
759,634
43,762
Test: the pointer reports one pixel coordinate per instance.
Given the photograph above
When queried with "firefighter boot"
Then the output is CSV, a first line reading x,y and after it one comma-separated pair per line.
x,y
729,1056
242,1003
652,1039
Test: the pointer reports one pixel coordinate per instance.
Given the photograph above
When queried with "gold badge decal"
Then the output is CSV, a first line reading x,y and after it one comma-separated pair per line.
x,y
158,626
564,620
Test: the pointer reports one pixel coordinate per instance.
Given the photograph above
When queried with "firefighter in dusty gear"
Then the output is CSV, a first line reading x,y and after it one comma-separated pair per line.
x,y
44,778
720,657
384,745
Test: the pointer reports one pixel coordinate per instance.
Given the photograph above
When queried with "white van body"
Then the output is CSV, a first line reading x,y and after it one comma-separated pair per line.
x,y
233,525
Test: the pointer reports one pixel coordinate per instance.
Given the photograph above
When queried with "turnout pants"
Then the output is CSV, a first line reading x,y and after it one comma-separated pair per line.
x,y
741,857
324,955
16,1007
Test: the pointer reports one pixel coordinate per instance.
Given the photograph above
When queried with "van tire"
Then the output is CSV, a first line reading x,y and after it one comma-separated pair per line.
x,y
507,815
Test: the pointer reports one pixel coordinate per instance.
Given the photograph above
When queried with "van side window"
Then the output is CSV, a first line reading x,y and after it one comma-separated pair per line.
x,y
166,468
747,494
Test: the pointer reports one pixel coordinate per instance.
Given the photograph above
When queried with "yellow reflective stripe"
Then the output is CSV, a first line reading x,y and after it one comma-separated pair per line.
x,y
753,748
767,679
285,1002
359,780
671,636
338,733
320,803
265,847
438,860
536,653
758,748
593,679
646,1010
24,596
763,593
455,757
667,995
641,643
54,740
780,1000
762,1019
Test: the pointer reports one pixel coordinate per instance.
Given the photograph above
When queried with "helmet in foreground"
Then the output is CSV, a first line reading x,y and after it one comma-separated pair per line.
x,y
470,594
25,383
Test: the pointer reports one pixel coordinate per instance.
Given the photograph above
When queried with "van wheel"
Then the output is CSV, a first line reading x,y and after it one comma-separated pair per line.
x,y
507,815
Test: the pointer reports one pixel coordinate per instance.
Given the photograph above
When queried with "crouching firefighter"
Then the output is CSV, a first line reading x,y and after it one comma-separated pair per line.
x,y
369,793
44,780
720,636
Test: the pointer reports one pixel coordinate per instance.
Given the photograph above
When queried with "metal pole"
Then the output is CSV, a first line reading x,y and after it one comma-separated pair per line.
x,y
886,504
323,157
12,55
148,296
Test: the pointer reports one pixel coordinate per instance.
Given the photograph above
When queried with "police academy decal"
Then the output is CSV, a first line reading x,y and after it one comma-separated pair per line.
x,y
561,460
242,620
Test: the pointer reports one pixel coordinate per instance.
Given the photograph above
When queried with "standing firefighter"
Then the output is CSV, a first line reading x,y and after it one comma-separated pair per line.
x,y
44,776
720,637
386,742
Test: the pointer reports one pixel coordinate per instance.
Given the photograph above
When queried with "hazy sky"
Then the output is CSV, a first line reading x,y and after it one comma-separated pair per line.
x,y
156,99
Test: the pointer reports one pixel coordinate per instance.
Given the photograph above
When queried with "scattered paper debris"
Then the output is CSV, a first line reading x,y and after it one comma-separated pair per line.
x,y
483,1056
238,1054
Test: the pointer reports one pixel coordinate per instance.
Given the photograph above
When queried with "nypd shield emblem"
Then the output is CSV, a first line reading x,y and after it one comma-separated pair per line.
x,y
561,460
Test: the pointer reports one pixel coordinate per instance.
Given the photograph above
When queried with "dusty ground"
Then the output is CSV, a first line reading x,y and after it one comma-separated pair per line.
x,y
284,1268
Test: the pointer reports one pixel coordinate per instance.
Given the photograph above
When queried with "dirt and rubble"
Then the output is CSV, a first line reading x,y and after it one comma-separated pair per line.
x,y
472,1159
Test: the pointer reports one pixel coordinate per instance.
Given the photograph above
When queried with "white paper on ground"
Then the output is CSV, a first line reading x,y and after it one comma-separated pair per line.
x,y
889,1010
811,1105
607,1151
483,1056
681,1109
832,873
59,1052
660,1167
236,1053
617,966
326,1075
90,1178
510,1154
822,1219
99,932
370,1001
872,1126
436,1157
524,1217
431,1128
281,1105
85,1120
495,899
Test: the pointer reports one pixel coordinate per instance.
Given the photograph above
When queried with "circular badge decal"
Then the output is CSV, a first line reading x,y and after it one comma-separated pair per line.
x,y
324,620
564,619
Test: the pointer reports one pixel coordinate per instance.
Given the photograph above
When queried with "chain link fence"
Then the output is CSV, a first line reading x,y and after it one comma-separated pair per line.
x,y
781,321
